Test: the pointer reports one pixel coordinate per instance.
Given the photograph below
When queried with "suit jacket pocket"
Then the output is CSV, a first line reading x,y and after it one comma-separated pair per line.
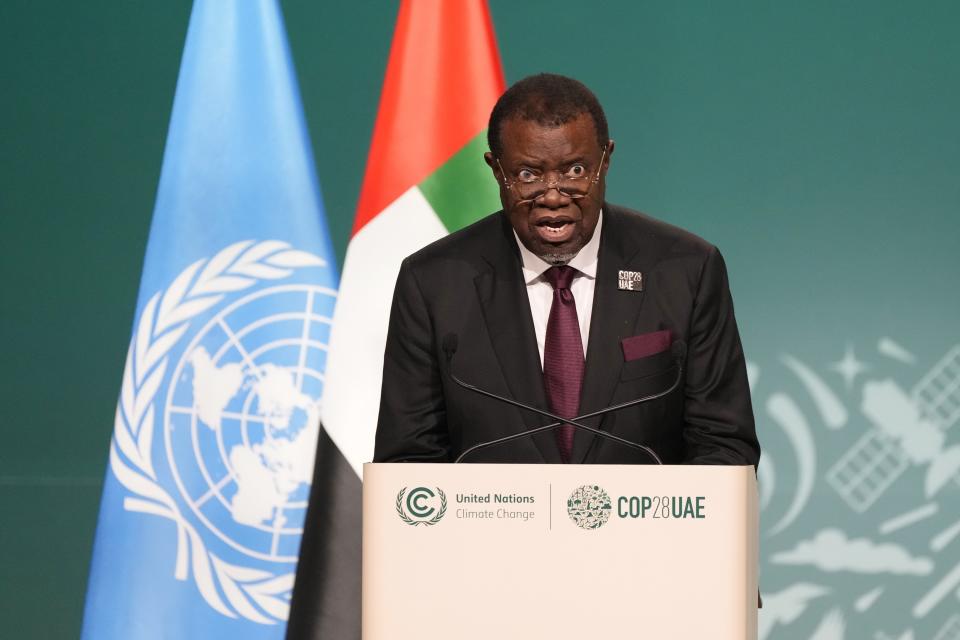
x,y
646,344
649,366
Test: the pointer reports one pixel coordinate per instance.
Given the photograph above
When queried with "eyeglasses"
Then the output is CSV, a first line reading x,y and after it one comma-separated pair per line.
x,y
574,183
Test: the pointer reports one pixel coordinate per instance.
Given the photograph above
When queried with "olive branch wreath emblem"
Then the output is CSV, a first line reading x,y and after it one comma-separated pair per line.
x,y
432,521
254,594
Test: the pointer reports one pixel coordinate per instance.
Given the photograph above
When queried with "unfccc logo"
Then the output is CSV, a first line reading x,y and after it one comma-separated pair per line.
x,y
421,505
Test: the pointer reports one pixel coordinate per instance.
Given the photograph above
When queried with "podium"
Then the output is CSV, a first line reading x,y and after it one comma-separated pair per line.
x,y
559,551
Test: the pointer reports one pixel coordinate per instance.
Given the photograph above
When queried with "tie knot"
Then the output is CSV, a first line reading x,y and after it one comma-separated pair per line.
x,y
560,277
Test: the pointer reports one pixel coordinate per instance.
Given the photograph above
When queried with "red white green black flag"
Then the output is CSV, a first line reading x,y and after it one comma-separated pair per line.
x,y
425,177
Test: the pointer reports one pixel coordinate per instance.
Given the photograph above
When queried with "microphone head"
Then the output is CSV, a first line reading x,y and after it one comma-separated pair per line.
x,y
449,345
679,350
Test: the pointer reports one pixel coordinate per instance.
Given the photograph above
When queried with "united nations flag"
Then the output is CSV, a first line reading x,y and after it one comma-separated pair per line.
x,y
212,456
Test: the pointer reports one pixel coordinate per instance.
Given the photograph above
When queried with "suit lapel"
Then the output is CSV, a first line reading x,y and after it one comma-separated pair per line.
x,y
506,310
614,317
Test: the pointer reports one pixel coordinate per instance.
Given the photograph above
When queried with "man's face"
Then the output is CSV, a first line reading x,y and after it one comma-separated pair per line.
x,y
554,226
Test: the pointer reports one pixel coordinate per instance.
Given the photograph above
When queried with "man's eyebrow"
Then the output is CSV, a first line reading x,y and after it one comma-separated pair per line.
x,y
574,158
528,161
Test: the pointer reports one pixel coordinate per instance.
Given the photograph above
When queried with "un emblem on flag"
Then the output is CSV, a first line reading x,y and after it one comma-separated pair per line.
x,y
242,417
229,360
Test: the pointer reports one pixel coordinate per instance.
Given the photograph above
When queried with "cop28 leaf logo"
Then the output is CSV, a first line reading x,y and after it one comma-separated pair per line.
x,y
421,505
589,507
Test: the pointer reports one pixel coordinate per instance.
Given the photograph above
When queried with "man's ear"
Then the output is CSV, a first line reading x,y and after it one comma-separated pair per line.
x,y
606,161
492,163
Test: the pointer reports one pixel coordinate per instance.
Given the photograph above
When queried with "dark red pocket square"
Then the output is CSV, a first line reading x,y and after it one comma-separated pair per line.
x,y
646,344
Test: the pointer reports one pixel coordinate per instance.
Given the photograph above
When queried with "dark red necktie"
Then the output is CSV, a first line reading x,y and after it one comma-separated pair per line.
x,y
563,355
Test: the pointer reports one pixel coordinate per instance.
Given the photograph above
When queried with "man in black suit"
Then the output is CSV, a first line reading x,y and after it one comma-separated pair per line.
x,y
566,302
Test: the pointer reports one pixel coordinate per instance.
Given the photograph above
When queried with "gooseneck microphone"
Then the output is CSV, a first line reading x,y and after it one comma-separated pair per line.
x,y
449,345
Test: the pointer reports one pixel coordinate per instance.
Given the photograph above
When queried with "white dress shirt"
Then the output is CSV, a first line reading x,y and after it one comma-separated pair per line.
x,y
540,292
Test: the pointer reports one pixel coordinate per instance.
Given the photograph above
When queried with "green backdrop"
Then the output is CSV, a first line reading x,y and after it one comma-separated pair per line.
x,y
815,143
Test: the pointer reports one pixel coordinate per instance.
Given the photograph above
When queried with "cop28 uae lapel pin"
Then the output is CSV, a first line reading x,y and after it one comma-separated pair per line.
x,y
630,281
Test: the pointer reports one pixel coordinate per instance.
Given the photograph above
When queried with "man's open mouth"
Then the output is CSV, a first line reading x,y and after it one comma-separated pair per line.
x,y
555,229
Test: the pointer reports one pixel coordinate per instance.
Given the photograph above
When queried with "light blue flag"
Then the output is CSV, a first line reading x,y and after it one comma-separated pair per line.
x,y
216,426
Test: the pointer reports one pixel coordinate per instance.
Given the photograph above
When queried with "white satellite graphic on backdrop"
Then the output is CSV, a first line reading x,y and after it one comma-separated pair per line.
x,y
894,428
909,429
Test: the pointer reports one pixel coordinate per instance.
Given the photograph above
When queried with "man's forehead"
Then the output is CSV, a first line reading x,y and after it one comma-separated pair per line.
x,y
522,136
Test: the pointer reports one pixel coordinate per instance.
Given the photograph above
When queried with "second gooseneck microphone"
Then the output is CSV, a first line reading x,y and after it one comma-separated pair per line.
x,y
451,342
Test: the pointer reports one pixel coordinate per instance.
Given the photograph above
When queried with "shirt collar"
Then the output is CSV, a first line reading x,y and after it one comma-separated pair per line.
x,y
585,261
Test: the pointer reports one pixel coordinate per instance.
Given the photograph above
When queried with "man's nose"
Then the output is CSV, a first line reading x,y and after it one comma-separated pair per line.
x,y
553,198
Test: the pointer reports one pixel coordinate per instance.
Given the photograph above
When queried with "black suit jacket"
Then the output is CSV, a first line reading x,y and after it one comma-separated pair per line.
x,y
470,283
